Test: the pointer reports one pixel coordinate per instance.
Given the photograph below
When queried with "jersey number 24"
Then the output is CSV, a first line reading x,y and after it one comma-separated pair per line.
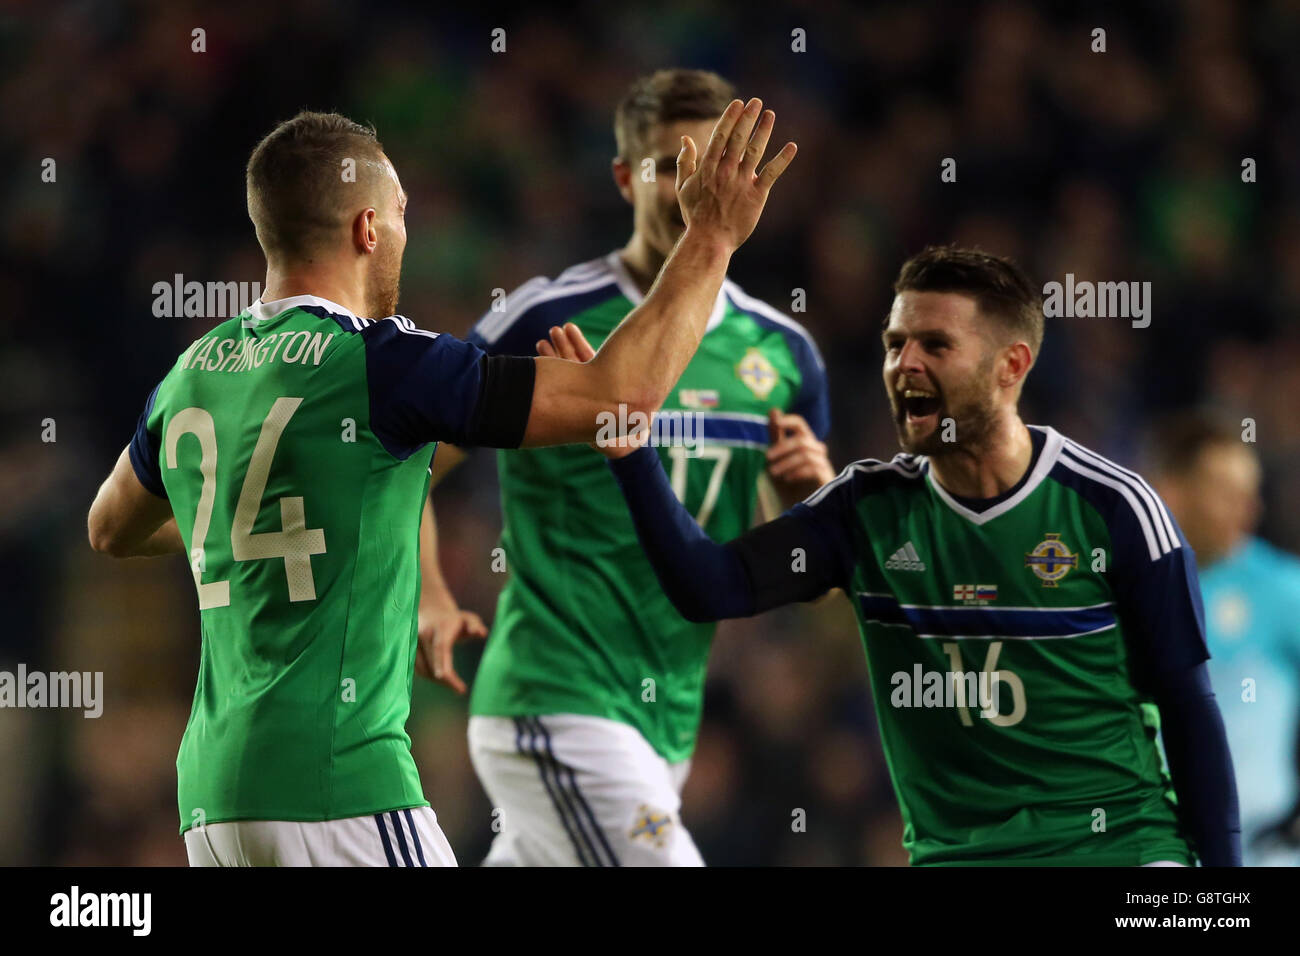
x,y
295,543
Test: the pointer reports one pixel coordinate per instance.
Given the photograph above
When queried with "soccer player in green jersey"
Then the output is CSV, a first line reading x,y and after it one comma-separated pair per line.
x,y
587,701
1023,601
287,452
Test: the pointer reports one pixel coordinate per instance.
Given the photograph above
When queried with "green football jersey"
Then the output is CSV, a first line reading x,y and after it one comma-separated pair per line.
x,y
292,444
582,626
1007,647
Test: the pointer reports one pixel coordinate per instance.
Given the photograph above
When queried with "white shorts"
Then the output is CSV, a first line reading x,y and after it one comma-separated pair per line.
x,y
570,790
396,838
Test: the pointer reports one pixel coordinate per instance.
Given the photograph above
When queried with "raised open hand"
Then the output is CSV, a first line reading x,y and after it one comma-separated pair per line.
x,y
723,191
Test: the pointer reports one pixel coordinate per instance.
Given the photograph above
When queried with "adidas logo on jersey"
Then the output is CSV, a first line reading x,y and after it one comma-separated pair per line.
x,y
905,559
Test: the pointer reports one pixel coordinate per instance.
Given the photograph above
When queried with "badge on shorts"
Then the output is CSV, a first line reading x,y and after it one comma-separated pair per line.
x,y
651,825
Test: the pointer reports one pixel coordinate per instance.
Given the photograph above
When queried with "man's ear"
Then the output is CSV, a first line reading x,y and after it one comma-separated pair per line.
x,y
622,177
365,234
1017,360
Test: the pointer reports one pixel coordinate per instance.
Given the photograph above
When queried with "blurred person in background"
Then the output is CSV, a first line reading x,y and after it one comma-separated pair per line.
x,y
1211,478
587,702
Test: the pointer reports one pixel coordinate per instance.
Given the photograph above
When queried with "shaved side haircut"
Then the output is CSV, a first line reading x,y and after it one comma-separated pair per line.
x,y
307,178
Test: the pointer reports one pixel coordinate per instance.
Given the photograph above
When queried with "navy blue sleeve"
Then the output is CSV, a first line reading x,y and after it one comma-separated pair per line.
x,y
814,399
1157,595
145,449
784,561
426,387
1158,601
704,580
1150,566
829,514
1196,747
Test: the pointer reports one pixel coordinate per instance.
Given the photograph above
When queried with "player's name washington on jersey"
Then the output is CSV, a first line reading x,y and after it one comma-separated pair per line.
x,y
215,353
293,442
582,626
1065,768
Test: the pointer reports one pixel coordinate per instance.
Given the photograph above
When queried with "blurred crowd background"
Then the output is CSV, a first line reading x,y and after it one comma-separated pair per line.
x,y
1123,165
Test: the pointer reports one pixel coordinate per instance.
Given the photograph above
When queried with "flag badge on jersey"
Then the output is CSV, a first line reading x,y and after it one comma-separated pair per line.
x,y
651,825
758,374
975,592
1051,560
698,398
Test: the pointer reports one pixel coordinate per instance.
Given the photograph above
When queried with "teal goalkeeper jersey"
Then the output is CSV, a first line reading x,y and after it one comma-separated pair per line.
x,y
582,626
1252,619
1007,650
292,442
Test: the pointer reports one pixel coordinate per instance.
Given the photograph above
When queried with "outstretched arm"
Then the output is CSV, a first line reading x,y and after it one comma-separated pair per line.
x,y
784,561
721,197
426,387
705,581
793,558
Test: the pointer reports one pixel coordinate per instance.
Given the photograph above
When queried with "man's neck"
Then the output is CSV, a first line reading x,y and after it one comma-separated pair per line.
x,y
642,261
996,466
284,284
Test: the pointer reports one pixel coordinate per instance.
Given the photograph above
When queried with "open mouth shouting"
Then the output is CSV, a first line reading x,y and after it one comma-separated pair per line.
x,y
916,406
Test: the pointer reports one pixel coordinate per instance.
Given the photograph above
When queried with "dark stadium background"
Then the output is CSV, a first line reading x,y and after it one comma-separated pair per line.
x,y
1123,166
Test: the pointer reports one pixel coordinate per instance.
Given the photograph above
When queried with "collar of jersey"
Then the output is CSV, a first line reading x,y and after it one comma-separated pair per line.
x,y
1046,460
262,311
633,294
